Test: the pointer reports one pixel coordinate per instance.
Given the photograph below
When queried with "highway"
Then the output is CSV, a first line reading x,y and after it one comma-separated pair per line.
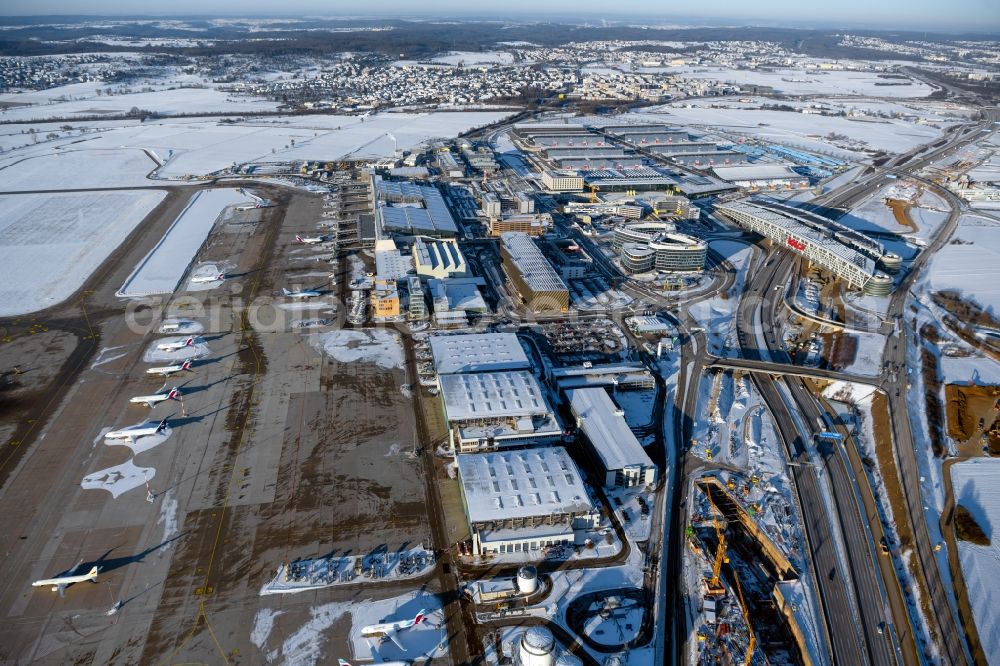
x,y
856,600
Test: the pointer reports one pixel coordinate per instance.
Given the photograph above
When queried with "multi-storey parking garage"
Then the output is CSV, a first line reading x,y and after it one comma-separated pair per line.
x,y
844,252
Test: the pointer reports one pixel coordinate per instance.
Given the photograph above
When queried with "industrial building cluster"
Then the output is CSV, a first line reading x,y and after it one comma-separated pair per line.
x,y
521,489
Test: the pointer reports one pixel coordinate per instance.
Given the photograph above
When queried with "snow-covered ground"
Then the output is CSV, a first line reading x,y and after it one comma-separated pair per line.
x,y
425,641
469,58
161,270
970,263
976,485
305,575
51,243
718,314
868,359
810,132
375,345
165,102
77,167
801,81
119,479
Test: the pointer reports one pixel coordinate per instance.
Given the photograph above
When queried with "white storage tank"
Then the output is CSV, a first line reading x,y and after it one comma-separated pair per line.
x,y
527,579
537,646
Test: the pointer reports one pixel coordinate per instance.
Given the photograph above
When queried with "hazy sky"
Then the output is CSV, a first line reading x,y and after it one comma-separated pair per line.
x,y
923,14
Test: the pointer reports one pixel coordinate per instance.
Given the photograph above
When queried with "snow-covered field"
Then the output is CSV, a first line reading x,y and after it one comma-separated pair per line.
x,y
76,168
810,132
161,270
469,58
970,263
51,243
112,154
800,81
976,485
374,345
180,100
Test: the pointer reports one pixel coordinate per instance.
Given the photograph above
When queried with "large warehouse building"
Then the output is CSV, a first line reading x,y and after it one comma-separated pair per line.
x,y
407,208
477,352
491,410
439,259
602,423
524,501
846,253
532,275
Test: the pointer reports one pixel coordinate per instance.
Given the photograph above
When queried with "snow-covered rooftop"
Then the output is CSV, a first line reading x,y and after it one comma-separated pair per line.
x,y
604,425
491,395
477,352
520,484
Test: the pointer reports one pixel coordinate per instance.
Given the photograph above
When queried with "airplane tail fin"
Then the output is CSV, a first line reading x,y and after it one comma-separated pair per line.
x,y
342,662
186,365
174,393
93,572
298,238
285,291
421,616
189,342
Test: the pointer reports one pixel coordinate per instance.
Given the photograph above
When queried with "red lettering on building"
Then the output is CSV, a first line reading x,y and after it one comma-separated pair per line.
x,y
797,245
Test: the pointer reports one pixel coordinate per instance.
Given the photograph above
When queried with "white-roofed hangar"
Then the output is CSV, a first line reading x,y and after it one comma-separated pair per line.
x,y
611,441
524,501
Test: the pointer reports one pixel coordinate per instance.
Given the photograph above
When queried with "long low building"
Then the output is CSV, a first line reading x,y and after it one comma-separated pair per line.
x,y
477,352
761,176
602,423
844,252
629,375
537,282
491,410
524,501
655,178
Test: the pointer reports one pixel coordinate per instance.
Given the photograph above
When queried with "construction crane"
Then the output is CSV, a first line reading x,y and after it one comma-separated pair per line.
x,y
714,585
746,618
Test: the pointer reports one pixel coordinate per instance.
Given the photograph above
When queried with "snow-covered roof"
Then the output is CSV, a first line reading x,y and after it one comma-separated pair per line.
x,y
756,172
534,268
604,425
490,395
521,484
477,352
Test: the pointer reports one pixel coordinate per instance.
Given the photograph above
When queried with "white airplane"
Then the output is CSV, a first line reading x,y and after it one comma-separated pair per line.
x,y
60,583
152,400
202,279
175,345
133,433
301,293
390,629
167,370
344,662
311,240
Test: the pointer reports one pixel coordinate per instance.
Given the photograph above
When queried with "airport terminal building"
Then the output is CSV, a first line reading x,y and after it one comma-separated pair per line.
x,y
524,501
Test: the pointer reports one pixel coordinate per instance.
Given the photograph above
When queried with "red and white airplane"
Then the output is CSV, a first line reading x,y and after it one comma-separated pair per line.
x,y
156,398
167,370
390,629
60,583
175,345
202,279
310,240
